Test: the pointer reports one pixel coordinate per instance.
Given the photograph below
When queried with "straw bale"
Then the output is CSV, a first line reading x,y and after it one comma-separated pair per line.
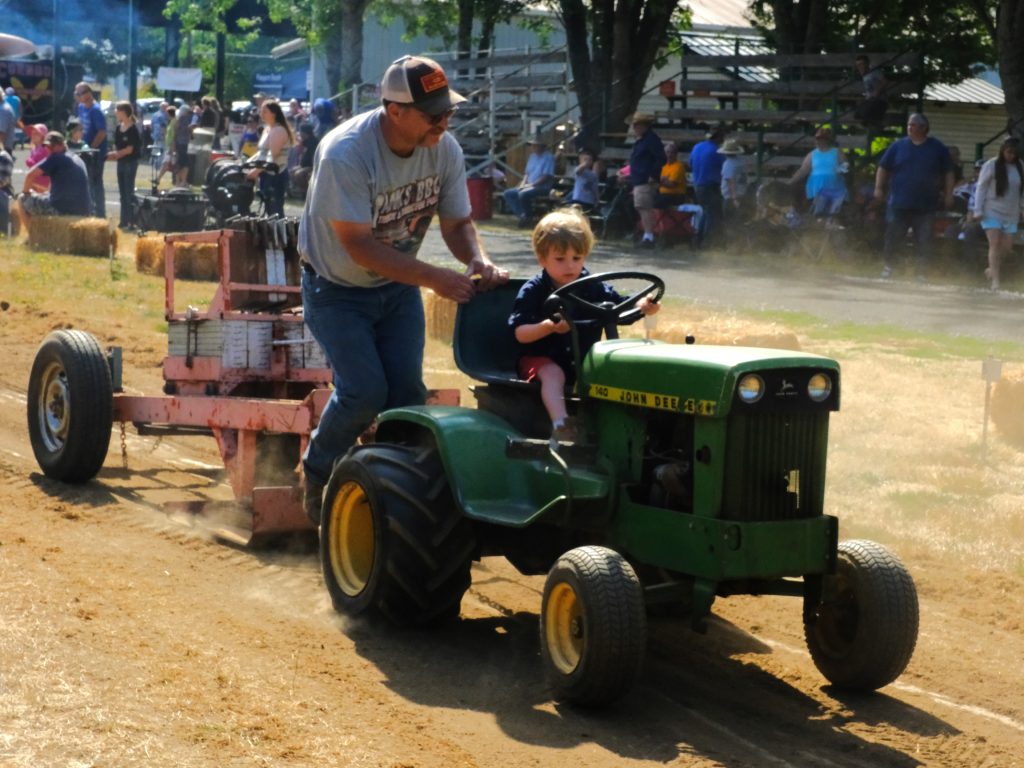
x,y
50,233
727,331
1008,407
149,255
72,234
440,314
92,237
196,261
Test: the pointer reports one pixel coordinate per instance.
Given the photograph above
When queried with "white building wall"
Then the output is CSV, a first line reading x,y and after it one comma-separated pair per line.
x,y
965,125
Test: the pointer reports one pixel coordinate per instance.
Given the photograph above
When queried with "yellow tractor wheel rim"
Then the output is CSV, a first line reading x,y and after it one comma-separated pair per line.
x,y
352,544
564,628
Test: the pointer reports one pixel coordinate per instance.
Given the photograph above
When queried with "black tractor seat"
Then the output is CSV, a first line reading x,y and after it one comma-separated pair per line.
x,y
486,350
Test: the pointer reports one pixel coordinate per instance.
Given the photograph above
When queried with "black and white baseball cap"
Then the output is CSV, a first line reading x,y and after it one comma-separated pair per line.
x,y
419,82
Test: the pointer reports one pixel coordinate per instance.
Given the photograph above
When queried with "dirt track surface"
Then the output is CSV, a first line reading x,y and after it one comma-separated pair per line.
x,y
130,638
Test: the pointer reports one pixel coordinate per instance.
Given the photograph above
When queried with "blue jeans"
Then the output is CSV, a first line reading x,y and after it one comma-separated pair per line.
x,y
126,170
94,165
898,221
709,198
520,200
373,339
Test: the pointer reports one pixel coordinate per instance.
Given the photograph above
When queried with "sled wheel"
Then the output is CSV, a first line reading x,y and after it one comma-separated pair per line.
x,y
863,634
392,540
70,406
593,626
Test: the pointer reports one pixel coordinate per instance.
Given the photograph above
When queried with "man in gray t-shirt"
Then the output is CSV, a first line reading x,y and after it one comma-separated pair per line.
x,y
377,181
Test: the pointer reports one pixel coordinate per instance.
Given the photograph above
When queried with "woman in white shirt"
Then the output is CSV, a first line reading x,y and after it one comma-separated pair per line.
x,y
997,204
276,141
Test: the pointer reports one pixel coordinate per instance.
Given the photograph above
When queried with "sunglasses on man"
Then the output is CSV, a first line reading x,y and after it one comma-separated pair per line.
x,y
438,118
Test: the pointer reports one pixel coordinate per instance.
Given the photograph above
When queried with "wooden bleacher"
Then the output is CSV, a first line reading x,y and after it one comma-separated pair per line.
x,y
775,118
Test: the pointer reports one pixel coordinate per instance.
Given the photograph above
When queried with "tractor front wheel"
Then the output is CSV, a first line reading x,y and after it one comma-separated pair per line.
x,y
593,626
70,406
392,540
863,633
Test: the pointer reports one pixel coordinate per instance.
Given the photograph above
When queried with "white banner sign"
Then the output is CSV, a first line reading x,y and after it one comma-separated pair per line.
x,y
179,79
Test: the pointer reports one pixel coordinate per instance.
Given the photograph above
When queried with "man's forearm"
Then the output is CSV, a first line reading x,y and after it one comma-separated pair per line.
x,y
461,238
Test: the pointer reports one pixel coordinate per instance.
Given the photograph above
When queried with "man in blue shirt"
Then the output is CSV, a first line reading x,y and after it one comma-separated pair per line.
x,y
158,131
69,184
645,162
94,134
706,168
12,98
537,181
917,173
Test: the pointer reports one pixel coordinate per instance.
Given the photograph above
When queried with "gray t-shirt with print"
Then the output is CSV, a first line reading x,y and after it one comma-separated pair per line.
x,y
358,179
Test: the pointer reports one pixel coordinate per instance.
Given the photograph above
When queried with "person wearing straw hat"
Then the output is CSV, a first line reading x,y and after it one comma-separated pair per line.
x,y
734,178
377,182
645,162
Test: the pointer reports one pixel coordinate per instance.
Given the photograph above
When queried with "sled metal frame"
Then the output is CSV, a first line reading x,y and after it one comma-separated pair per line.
x,y
202,390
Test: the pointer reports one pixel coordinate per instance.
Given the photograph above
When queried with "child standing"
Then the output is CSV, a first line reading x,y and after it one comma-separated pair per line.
x,y
39,153
561,241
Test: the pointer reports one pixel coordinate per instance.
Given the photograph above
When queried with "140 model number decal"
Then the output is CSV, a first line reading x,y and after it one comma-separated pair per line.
x,y
655,400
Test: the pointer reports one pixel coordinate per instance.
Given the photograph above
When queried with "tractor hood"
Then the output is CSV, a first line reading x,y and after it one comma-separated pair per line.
x,y
702,379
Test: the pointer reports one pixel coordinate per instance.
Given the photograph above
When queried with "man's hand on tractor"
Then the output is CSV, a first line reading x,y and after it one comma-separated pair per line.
x,y
484,274
452,285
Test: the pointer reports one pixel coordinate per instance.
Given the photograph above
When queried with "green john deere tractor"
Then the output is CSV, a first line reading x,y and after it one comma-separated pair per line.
x,y
702,475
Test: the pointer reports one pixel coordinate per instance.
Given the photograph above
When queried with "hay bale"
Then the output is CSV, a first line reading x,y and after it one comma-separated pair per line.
x,y
92,237
50,233
196,261
1008,407
727,331
440,313
149,255
72,234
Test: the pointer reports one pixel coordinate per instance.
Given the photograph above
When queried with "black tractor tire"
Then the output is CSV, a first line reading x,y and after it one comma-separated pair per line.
x,y
392,540
70,406
593,626
863,634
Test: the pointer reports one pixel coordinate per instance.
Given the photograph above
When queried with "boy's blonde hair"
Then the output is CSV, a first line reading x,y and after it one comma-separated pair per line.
x,y
561,230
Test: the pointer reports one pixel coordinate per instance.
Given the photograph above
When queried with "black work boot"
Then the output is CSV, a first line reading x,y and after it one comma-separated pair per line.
x,y
312,498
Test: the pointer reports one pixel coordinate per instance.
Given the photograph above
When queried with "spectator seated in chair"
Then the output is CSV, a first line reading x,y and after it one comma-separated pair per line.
x,y
585,188
672,189
537,181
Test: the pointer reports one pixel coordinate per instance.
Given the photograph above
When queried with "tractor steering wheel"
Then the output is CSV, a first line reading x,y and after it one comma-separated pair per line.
x,y
623,313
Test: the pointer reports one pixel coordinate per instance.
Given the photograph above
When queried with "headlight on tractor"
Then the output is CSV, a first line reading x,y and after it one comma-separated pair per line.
x,y
819,387
751,388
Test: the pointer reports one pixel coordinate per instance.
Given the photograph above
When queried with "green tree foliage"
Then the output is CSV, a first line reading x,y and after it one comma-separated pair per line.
x,y
453,21
335,27
949,33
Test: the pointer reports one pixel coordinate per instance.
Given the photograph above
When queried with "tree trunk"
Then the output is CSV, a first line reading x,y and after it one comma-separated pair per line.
x,y
351,40
611,52
1009,29
574,18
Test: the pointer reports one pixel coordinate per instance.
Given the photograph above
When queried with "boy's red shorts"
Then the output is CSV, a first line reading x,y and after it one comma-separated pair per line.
x,y
529,365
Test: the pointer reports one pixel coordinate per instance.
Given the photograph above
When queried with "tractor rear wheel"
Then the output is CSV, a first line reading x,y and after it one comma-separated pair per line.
x,y
863,634
392,540
593,626
70,406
